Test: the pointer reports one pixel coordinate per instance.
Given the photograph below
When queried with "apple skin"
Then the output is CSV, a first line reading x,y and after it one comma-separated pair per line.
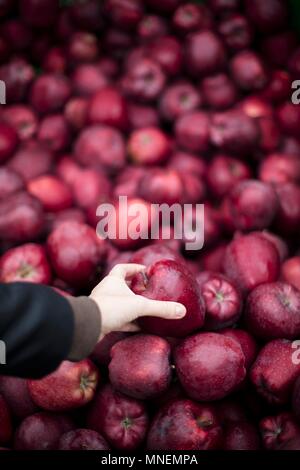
x,y
209,366
109,107
10,182
273,372
9,141
169,281
101,146
278,430
6,428
121,420
41,431
25,263
74,251
246,342
49,93
296,399
249,272
53,193
140,366
150,255
16,393
272,311
184,425
21,218
223,302
102,352
22,119
280,168
149,146
71,386
253,205
82,439
241,436
290,271
31,160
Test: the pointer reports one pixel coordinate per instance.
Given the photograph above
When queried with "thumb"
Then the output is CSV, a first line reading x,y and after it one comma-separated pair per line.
x,y
162,309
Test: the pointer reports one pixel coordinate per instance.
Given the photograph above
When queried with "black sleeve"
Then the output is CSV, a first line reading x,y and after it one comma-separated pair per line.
x,y
36,329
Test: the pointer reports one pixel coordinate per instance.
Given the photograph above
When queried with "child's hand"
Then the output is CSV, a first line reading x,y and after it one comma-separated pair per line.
x,y
120,307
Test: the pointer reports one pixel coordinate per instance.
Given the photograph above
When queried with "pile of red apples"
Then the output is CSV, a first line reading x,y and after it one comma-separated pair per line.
x,y
162,101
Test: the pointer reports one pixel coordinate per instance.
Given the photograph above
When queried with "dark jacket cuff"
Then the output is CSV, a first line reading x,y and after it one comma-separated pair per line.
x,y
87,319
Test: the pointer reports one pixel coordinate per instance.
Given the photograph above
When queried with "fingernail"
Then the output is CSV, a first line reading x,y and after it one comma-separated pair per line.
x,y
180,311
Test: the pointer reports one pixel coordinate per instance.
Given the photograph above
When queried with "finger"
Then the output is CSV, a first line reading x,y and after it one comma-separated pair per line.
x,y
168,310
130,328
126,270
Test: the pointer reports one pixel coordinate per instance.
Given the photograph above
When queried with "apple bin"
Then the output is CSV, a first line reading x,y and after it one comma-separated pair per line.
x,y
170,102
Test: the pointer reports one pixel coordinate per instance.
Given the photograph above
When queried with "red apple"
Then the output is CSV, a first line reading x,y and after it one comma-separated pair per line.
x,y
151,27
167,280
268,17
141,116
237,31
21,218
246,342
122,421
91,188
290,271
288,215
100,146
22,119
75,113
272,311
248,71
184,425
6,428
253,205
209,366
280,168
54,133
248,272
16,394
274,372
205,53
8,141
192,131
219,91
150,255
25,263
102,352
49,93
179,99
224,172
41,431
82,439
234,132
241,436
278,430
223,302
53,193
72,385
140,366
167,52
149,146
74,251
108,107
88,79
83,47
144,81
10,182
31,160
160,185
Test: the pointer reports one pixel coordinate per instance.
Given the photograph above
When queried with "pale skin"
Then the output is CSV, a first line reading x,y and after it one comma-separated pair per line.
x,y
120,307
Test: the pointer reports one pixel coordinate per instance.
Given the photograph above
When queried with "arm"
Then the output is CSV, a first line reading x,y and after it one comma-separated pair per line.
x,y
41,328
